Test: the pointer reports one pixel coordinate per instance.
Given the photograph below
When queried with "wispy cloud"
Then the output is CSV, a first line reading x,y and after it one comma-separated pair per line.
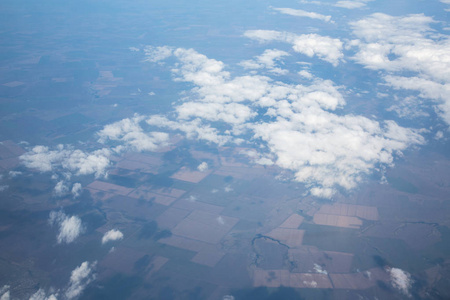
x,y
302,13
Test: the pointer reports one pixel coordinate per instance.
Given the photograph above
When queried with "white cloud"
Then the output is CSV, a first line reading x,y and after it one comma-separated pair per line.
x,y
156,54
408,107
407,43
14,174
112,235
323,149
267,60
439,135
305,74
438,92
195,129
42,295
130,133
302,13
69,227
401,280
60,189
352,4
66,159
311,283
202,167
79,279
220,220
4,292
324,47
76,189
319,269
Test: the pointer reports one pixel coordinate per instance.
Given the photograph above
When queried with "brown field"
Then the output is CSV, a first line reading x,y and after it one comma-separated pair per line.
x,y
171,217
292,222
145,159
227,161
156,264
10,149
291,237
188,175
183,243
157,198
277,278
360,211
137,166
131,207
305,257
170,192
200,155
9,163
209,256
336,220
100,195
241,172
164,196
122,259
197,205
109,187
205,226
359,281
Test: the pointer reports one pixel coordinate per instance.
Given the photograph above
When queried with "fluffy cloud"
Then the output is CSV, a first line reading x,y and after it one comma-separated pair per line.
x,y
302,13
324,47
66,159
202,167
401,280
407,43
130,133
76,189
301,131
267,60
69,227
79,279
112,235
60,189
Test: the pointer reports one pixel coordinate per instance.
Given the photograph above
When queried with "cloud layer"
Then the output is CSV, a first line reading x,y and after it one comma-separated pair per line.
x,y
301,131
407,43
